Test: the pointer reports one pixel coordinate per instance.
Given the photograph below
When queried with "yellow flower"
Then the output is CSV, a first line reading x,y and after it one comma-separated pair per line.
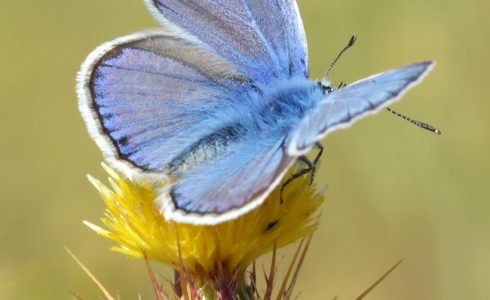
x,y
138,228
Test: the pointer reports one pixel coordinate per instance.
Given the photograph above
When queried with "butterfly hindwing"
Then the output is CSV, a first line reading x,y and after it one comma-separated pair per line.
x,y
148,96
227,186
264,39
342,107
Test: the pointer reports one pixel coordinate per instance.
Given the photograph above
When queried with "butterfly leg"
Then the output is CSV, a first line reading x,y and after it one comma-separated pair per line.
x,y
298,174
310,167
342,85
316,160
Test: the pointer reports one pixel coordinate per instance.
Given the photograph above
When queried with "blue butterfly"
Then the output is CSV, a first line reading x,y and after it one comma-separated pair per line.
x,y
218,102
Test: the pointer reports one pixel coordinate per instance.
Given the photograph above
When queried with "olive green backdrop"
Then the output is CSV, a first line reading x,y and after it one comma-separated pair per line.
x,y
394,191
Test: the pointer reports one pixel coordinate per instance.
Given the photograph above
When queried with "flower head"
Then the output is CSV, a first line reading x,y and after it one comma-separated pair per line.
x,y
139,229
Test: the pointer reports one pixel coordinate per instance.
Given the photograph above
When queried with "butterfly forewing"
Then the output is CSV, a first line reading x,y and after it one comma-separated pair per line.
x,y
265,39
344,106
147,97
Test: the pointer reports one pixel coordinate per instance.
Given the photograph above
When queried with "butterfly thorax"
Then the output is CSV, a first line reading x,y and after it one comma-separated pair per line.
x,y
284,106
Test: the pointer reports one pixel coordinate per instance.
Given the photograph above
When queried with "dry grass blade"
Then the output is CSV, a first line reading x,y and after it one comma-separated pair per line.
x,y
366,292
158,292
107,295
272,273
75,295
282,290
183,276
253,280
176,285
224,292
289,291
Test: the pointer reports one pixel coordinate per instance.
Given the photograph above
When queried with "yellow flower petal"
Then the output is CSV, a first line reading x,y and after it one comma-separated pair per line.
x,y
137,226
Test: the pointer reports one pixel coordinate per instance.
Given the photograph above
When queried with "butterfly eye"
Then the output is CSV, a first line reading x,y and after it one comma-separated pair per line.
x,y
326,88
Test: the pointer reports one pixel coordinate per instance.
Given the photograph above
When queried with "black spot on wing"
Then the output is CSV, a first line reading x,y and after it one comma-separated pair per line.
x,y
123,141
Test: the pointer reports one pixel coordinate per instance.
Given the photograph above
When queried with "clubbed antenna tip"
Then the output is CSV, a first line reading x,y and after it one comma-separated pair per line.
x,y
422,125
352,40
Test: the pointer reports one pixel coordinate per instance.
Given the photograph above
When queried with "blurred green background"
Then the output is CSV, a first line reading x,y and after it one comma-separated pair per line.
x,y
394,191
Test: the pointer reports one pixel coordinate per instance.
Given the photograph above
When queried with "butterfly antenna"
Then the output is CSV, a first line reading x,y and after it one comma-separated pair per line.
x,y
350,44
414,122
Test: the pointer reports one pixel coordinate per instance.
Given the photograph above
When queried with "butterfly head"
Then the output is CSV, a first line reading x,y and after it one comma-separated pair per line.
x,y
324,83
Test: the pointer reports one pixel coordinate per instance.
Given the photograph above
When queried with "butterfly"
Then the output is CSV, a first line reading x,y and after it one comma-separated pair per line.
x,y
218,101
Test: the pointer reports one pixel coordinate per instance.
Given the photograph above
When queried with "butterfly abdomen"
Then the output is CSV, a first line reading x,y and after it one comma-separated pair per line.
x,y
206,148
